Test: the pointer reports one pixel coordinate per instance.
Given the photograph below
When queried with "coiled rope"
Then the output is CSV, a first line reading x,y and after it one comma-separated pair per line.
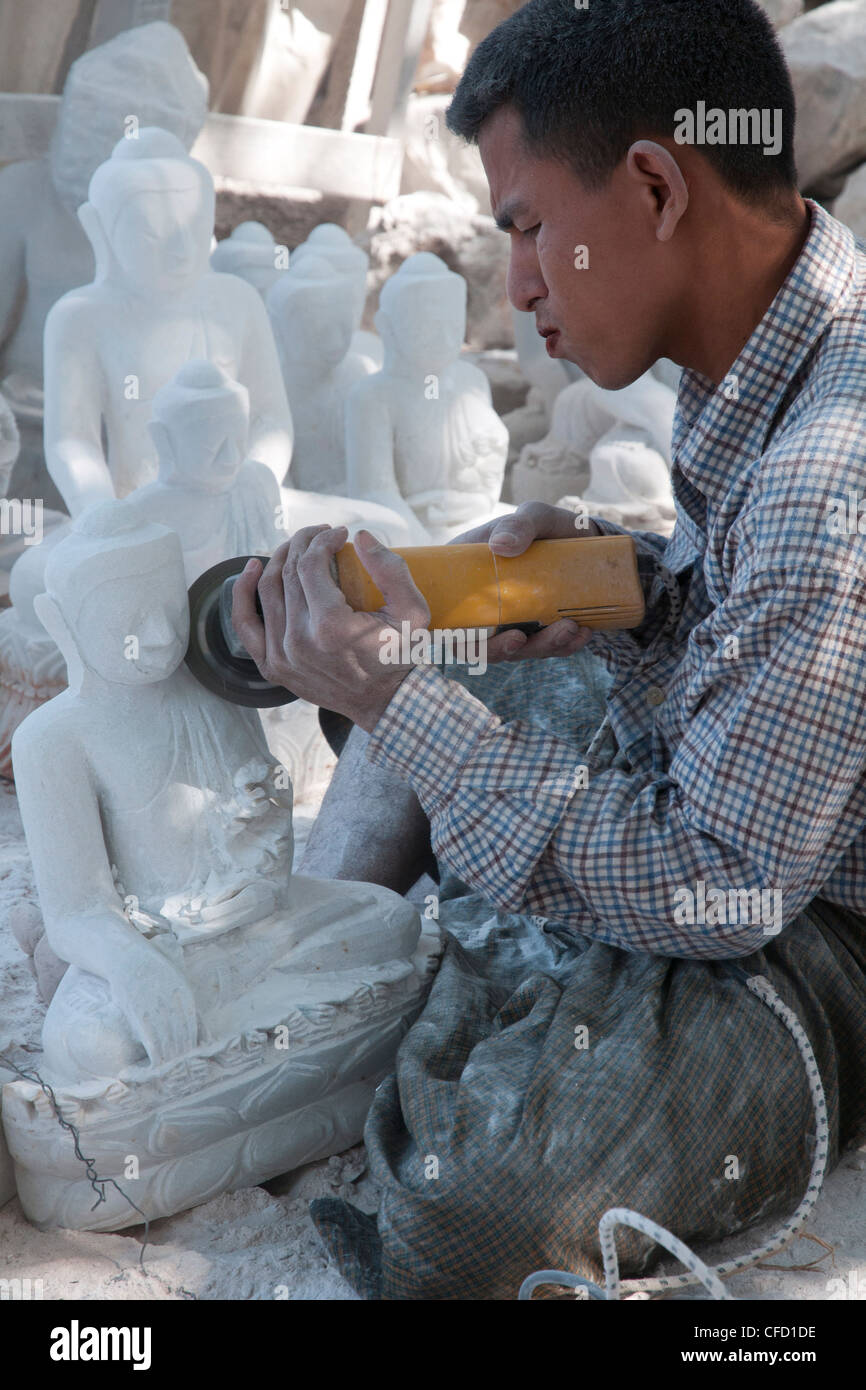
x,y
697,1271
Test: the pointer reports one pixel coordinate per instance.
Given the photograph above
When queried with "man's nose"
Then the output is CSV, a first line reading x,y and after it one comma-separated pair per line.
x,y
525,283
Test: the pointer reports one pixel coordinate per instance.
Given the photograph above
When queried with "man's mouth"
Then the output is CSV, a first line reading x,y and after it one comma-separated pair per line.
x,y
551,339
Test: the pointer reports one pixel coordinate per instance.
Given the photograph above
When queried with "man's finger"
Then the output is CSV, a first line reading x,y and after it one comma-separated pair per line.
x,y
562,638
513,534
245,619
273,601
475,536
313,571
392,576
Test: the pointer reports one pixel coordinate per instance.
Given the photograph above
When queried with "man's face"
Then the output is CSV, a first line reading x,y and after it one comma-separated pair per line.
x,y
605,307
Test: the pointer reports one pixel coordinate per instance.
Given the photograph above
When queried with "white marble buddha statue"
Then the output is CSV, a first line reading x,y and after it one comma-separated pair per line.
x,y
609,450
166,882
422,434
250,252
43,248
312,314
32,669
44,251
154,304
332,243
220,502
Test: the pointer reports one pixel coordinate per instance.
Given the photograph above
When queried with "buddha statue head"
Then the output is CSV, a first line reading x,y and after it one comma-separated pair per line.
x,y
142,77
115,598
312,314
149,215
251,253
422,314
329,242
200,423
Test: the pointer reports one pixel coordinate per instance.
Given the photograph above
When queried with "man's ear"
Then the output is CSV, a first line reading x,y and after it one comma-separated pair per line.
x,y
652,164
51,618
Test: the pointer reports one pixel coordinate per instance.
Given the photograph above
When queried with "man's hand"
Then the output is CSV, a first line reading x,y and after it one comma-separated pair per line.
x,y
511,535
311,641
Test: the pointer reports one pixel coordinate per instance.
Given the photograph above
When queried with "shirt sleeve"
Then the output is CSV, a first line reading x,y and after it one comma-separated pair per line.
x,y
772,749
664,594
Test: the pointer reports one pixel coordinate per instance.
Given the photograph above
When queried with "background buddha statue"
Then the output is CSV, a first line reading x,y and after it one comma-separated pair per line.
x,y
153,305
44,251
421,434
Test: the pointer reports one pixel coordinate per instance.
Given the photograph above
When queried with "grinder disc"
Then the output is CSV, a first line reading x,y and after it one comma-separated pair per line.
x,y
232,676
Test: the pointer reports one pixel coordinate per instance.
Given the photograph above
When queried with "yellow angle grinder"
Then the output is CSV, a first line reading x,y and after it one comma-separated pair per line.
x,y
592,579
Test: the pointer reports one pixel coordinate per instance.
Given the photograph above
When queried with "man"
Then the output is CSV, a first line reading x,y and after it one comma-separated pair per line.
x,y
613,1055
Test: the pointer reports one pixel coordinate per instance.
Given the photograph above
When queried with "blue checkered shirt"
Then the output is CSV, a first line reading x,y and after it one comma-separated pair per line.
x,y
738,706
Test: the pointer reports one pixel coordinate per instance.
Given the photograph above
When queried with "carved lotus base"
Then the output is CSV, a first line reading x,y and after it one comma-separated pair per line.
x,y
227,1116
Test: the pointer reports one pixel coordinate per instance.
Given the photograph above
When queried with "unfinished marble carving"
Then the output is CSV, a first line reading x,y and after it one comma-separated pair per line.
x,y
251,253
142,77
221,1019
422,435
333,244
32,669
313,316
154,304
222,503
610,449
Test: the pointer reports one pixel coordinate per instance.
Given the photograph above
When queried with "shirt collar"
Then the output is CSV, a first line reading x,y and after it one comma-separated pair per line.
x,y
739,411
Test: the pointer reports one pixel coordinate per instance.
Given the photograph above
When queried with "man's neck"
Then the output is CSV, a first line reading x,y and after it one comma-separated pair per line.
x,y
738,273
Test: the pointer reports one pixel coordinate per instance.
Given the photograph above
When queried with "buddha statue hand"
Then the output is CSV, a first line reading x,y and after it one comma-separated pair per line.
x,y
233,905
153,995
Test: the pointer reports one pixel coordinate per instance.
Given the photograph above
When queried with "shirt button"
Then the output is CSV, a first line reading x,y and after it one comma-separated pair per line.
x,y
655,696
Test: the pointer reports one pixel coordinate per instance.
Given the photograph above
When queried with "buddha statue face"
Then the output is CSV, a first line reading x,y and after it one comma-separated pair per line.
x,y
134,630
313,312
150,215
200,427
334,246
161,238
207,448
116,599
422,318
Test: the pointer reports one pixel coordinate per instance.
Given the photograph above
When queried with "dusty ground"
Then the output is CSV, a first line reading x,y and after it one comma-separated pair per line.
x,y
260,1243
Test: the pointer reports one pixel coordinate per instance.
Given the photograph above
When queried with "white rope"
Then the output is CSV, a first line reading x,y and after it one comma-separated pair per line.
x,y
698,1272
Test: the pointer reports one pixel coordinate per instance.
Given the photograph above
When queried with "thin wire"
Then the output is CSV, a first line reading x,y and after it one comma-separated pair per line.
x,y
96,1182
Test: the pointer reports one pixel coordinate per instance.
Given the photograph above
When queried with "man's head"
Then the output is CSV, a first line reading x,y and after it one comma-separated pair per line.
x,y
616,203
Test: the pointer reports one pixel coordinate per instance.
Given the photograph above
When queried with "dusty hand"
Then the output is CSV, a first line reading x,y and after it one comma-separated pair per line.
x,y
511,535
311,641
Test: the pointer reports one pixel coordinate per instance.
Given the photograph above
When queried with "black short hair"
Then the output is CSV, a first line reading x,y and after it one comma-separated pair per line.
x,y
588,82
